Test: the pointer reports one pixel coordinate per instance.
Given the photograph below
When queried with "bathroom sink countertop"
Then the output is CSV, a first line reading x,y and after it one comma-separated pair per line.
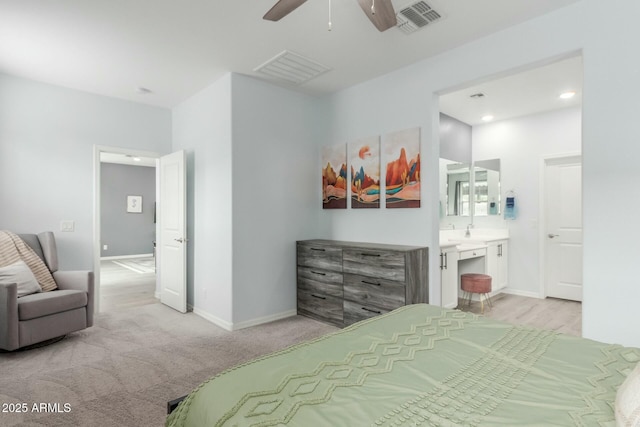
x,y
482,239
448,243
471,246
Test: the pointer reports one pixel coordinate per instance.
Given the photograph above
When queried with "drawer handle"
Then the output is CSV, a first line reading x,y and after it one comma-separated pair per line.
x,y
318,296
318,249
371,311
318,273
370,283
376,255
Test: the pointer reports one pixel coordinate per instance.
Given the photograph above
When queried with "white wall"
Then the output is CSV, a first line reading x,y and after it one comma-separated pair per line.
x,y
610,134
275,176
202,127
47,134
520,144
251,150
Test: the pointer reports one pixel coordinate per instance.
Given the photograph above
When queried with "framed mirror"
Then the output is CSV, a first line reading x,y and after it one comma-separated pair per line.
x,y
486,195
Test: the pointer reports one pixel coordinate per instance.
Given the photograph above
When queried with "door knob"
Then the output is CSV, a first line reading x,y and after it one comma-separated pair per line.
x,y
180,240
551,236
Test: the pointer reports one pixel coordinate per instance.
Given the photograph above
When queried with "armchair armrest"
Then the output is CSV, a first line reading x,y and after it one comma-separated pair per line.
x,y
79,281
9,335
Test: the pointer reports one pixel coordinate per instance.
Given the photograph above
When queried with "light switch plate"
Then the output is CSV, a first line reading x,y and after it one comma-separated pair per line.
x,y
67,226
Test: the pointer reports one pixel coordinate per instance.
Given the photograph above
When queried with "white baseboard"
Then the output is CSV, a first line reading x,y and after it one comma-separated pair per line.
x,y
213,319
109,258
265,319
241,325
522,293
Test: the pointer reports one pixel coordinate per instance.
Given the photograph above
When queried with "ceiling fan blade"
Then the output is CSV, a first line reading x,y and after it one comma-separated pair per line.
x,y
282,9
385,16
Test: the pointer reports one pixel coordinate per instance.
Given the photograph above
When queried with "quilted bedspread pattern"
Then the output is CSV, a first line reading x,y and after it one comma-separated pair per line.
x,y
420,365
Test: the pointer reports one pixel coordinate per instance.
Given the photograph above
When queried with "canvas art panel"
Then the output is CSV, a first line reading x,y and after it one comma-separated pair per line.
x,y
402,152
364,160
334,177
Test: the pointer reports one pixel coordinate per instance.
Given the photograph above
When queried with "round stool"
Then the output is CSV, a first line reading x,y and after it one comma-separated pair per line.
x,y
475,283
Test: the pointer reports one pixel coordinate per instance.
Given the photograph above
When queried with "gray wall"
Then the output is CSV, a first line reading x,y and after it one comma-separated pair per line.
x,y
47,135
127,233
275,199
455,139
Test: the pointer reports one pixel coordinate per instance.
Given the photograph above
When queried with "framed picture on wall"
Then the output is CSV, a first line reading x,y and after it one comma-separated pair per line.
x,y
134,204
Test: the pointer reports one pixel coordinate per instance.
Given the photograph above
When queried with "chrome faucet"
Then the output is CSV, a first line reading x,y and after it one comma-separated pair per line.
x,y
468,232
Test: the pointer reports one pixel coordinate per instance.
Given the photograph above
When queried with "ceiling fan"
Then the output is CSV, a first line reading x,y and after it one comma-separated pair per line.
x,y
379,12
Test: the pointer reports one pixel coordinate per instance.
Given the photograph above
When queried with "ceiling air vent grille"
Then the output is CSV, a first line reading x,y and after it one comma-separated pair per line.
x,y
292,68
416,16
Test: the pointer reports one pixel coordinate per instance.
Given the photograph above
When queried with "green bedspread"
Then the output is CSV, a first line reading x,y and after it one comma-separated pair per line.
x,y
420,365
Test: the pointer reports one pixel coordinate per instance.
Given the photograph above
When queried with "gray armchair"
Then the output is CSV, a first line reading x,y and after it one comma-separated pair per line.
x,y
38,317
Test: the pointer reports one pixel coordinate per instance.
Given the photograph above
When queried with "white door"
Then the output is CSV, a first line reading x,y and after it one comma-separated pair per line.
x,y
563,234
172,242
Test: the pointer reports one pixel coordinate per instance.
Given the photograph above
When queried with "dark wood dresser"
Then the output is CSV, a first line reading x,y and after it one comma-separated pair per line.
x,y
344,282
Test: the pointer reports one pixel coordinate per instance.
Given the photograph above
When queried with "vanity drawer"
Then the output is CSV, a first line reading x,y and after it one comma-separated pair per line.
x,y
355,312
375,263
322,256
472,253
320,281
381,293
319,306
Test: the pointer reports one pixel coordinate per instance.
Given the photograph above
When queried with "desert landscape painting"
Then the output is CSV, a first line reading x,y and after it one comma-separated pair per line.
x,y
334,177
402,151
364,159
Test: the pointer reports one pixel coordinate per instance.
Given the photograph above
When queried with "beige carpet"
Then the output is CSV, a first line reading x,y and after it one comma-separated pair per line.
x,y
122,371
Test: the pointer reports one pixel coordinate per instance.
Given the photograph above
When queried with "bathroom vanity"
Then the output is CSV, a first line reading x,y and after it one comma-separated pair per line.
x,y
485,251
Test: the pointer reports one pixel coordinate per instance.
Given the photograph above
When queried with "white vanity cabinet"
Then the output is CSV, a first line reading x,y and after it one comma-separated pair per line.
x,y
497,261
449,276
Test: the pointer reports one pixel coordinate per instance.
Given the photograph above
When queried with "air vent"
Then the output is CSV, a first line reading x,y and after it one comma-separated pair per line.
x,y
292,68
416,16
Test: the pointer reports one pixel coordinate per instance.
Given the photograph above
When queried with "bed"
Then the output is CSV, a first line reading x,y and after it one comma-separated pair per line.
x,y
420,365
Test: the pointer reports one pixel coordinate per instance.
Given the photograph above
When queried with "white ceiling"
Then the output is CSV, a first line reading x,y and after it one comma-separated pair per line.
x,y
529,92
176,48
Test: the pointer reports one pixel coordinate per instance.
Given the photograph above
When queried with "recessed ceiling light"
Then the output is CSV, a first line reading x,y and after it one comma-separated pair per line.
x,y
136,159
567,95
143,90
487,118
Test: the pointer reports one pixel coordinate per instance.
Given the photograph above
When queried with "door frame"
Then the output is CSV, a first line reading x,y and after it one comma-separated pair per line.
x,y
97,150
570,157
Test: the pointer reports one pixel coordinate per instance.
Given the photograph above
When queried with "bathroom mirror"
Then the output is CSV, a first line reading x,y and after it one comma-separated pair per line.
x,y
486,197
455,197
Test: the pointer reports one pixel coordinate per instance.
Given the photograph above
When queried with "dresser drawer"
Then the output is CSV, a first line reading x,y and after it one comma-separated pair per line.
x,y
321,256
473,253
320,281
374,263
381,293
355,312
325,308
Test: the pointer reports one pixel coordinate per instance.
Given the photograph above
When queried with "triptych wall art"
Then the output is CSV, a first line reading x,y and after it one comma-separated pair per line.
x,y
400,151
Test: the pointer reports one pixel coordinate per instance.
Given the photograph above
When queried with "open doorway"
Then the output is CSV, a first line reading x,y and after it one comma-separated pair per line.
x,y
125,228
518,122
